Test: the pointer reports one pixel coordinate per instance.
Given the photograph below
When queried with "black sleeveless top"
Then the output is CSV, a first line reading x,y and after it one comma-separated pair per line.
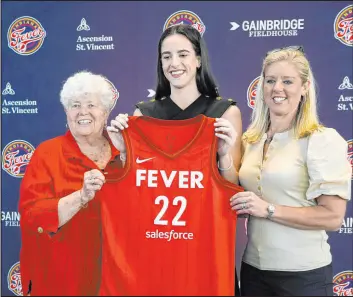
x,y
166,109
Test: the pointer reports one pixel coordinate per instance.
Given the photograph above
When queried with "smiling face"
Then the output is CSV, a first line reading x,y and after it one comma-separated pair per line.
x,y
86,116
283,88
179,61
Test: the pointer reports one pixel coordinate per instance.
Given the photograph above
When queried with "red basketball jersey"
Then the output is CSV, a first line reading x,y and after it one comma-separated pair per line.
x,y
168,228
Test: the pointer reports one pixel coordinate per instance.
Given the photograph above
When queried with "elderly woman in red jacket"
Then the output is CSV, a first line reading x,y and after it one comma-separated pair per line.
x,y
60,219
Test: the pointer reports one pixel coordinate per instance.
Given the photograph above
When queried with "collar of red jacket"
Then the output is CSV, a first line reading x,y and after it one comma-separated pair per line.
x,y
71,148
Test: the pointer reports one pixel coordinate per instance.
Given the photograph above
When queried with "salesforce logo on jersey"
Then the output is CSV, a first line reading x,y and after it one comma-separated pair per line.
x,y
270,28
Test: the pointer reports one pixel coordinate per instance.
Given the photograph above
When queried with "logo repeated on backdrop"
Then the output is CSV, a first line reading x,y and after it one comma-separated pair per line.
x,y
83,26
92,43
10,218
350,153
347,226
14,279
115,92
343,283
25,35
8,90
151,93
185,17
16,156
345,103
10,106
346,84
270,28
343,26
251,93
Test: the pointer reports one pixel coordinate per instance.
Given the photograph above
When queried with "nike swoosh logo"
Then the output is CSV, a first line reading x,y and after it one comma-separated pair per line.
x,y
139,161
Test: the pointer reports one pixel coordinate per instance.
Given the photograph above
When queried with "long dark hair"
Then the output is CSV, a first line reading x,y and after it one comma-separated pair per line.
x,y
204,78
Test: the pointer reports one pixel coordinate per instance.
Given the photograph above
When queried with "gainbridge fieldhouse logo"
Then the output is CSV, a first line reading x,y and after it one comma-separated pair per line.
x,y
185,17
343,283
115,92
16,156
343,26
350,153
14,279
251,93
25,35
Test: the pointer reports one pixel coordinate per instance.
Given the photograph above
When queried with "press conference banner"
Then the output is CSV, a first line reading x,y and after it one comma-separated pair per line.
x,y
43,43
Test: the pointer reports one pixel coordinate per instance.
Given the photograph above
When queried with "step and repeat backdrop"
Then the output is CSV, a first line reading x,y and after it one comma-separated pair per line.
x,y
43,43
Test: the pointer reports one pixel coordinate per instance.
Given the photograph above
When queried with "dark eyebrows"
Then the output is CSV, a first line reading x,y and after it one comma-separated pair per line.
x,y
184,50
180,51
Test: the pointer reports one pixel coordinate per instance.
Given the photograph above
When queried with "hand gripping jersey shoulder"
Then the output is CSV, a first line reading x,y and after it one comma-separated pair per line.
x,y
169,229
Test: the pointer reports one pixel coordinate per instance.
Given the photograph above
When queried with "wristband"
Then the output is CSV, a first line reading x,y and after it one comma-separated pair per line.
x,y
229,167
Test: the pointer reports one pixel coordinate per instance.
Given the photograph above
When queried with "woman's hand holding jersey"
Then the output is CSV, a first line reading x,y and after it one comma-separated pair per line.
x,y
227,135
114,131
93,181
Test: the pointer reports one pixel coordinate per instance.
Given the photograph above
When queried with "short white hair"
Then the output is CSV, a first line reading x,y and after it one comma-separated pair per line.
x,y
83,83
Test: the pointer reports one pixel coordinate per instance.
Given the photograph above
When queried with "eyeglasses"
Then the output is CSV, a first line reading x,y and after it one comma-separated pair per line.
x,y
299,48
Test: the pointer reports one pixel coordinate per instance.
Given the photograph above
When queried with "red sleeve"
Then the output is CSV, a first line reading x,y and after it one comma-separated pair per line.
x,y
38,205
26,269
28,257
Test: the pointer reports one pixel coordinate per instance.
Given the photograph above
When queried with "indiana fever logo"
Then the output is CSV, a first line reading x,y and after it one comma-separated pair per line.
x,y
25,36
14,279
185,17
16,156
115,92
343,283
251,93
350,153
343,26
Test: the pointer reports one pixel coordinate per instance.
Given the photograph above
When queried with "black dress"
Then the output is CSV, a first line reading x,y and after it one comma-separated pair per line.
x,y
166,109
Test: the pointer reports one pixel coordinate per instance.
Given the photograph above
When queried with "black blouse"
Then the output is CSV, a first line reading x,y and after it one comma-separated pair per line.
x,y
166,109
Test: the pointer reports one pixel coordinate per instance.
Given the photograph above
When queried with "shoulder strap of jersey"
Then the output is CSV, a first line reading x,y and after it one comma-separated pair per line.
x,y
218,107
148,108
164,108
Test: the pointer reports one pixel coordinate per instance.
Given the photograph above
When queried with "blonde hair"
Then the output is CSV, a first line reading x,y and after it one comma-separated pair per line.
x,y
85,82
306,121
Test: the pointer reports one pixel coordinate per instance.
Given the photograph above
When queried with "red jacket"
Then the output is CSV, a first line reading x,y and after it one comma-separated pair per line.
x,y
66,260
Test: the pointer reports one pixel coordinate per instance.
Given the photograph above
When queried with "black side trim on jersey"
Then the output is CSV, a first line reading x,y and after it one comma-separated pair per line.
x,y
218,108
